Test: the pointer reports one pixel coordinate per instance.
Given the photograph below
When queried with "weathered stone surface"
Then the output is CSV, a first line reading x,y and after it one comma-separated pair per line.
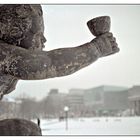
x,y
22,25
99,25
19,127
7,84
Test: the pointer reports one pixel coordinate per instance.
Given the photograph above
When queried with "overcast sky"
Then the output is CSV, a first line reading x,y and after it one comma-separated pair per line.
x,y
65,26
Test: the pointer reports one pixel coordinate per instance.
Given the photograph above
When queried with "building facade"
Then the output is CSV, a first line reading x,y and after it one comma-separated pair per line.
x,y
134,98
107,100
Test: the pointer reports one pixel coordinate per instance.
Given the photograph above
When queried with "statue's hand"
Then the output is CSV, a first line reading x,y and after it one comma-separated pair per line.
x,y
106,44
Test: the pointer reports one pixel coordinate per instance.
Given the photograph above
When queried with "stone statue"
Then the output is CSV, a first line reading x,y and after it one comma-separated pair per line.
x,y
19,127
22,43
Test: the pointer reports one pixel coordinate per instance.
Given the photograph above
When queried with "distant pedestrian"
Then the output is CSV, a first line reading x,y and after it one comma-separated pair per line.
x,y
38,122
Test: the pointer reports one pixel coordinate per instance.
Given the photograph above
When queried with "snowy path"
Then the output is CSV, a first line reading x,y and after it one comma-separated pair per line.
x,y
93,126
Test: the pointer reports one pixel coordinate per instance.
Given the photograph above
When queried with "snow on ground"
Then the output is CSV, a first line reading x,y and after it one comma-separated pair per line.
x,y
93,126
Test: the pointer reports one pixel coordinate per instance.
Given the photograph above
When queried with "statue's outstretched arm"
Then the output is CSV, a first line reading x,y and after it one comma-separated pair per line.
x,y
35,65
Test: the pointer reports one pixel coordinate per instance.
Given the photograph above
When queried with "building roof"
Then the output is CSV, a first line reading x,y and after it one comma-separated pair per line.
x,y
8,99
134,93
107,88
11,100
76,91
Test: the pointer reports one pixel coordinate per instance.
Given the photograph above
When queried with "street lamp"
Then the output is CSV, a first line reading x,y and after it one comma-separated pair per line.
x,y
66,109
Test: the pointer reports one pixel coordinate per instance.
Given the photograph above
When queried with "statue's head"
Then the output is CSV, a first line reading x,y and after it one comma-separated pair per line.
x,y
22,25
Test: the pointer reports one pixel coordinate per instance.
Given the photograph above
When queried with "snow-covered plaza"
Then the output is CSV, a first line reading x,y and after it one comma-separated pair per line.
x,y
93,126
